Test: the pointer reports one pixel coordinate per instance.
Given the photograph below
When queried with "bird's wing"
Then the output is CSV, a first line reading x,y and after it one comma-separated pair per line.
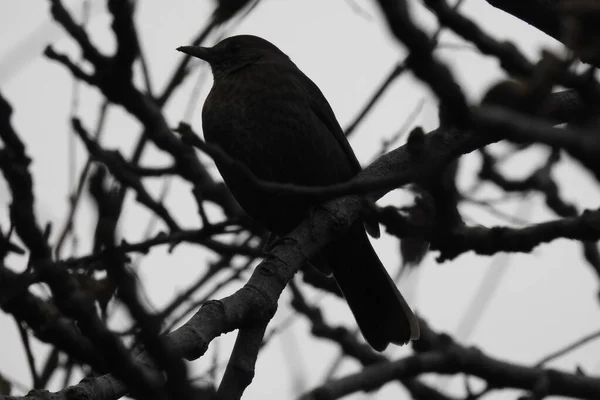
x,y
320,106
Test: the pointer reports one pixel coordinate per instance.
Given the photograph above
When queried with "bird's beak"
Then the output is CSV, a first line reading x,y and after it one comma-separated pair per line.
x,y
204,53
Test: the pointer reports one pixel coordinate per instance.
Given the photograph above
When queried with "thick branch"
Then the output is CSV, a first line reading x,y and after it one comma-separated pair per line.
x,y
548,17
14,164
490,241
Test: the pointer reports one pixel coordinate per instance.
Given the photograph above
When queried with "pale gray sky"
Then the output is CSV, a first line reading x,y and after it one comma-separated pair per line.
x,y
542,301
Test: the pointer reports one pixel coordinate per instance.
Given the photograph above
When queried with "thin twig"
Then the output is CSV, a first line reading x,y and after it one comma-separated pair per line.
x,y
30,359
570,347
76,197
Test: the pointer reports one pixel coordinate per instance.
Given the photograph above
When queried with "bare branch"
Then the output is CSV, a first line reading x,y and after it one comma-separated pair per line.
x,y
490,241
421,60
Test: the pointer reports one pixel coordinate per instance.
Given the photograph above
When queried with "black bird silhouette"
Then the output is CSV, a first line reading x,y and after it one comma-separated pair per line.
x,y
264,112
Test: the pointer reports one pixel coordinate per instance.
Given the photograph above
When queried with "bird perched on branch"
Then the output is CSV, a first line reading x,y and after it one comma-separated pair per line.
x,y
264,112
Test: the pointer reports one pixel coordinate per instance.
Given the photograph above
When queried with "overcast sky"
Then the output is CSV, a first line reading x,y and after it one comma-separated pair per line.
x,y
538,302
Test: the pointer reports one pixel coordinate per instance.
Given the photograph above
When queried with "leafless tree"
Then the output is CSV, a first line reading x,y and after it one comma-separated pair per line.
x,y
147,361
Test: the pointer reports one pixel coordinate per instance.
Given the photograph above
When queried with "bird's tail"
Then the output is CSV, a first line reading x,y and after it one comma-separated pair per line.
x,y
381,312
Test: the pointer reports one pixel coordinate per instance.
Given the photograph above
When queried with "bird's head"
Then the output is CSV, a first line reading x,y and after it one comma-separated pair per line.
x,y
235,53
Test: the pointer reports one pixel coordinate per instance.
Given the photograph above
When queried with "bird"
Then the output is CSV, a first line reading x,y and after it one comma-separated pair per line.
x,y
264,112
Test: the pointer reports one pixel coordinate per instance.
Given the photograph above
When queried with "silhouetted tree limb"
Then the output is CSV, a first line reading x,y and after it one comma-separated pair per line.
x,y
523,111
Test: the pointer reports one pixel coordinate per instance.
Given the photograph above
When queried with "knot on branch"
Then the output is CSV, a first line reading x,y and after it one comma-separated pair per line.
x,y
416,142
591,220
